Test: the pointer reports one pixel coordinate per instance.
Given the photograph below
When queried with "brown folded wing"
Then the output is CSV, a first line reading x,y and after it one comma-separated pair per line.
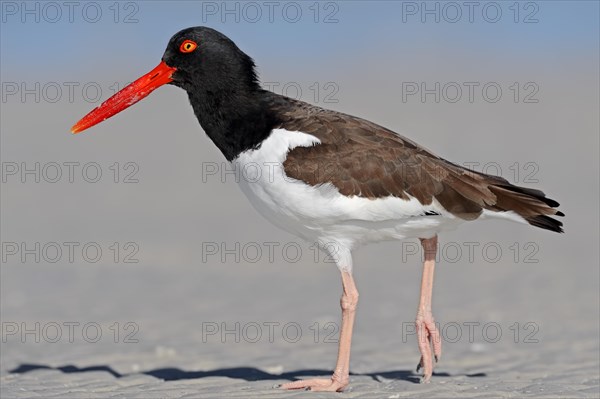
x,y
363,159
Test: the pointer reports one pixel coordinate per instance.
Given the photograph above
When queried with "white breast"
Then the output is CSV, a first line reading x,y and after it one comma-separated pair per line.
x,y
322,214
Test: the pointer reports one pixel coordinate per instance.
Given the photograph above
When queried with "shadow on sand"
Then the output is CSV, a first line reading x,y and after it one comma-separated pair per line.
x,y
243,373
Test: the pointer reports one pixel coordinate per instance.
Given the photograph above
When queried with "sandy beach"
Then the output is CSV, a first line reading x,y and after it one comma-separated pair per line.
x,y
206,330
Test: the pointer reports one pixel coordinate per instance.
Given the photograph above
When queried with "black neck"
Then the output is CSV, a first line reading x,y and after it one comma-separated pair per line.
x,y
236,120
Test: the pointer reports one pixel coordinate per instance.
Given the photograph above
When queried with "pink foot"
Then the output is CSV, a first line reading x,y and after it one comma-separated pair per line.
x,y
428,336
332,384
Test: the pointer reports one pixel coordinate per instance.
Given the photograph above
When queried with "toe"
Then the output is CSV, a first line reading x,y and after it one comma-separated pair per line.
x,y
306,384
333,387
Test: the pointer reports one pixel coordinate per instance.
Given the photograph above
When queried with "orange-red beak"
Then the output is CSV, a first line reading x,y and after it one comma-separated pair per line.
x,y
126,97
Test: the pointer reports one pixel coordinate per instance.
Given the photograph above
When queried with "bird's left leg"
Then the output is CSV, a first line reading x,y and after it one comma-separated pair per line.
x,y
341,375
428,335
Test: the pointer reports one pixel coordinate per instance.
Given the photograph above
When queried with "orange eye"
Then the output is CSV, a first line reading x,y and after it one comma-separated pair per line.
x,y
188,46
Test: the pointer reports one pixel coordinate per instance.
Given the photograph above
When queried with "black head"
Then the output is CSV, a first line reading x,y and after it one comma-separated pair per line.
x,y
208,60
221,84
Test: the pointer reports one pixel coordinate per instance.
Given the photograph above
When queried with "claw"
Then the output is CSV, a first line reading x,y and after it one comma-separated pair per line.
x,y
420,364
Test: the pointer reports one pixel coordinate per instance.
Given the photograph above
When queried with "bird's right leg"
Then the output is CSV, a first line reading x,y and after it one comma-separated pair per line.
x,y
340,377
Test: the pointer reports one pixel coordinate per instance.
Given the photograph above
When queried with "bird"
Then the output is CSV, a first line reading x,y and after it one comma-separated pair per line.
x,y
330,178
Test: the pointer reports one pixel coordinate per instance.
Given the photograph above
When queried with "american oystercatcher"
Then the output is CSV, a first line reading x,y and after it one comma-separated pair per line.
x,y
328,177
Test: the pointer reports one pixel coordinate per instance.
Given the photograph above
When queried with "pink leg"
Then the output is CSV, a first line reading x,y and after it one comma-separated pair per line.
x,y
427,333
340,377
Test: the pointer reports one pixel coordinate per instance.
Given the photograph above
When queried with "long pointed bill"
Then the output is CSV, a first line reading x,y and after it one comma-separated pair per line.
x,y
126,97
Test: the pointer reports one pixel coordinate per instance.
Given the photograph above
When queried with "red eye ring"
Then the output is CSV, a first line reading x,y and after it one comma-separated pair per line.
x,y
188,46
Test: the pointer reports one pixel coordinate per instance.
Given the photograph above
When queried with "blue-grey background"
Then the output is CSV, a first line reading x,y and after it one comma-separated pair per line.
x,y
362,56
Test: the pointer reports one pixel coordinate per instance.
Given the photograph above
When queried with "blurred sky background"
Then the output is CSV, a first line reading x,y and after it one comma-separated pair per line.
x,y
369,53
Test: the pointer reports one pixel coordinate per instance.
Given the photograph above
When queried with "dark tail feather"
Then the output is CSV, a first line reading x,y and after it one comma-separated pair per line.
x,y
531,204
537,194
546,222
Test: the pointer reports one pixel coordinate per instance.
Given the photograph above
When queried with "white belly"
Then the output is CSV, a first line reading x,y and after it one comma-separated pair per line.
x,y
321,214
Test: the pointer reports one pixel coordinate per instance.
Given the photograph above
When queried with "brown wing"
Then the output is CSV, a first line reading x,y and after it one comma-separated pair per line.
x,y
364,159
